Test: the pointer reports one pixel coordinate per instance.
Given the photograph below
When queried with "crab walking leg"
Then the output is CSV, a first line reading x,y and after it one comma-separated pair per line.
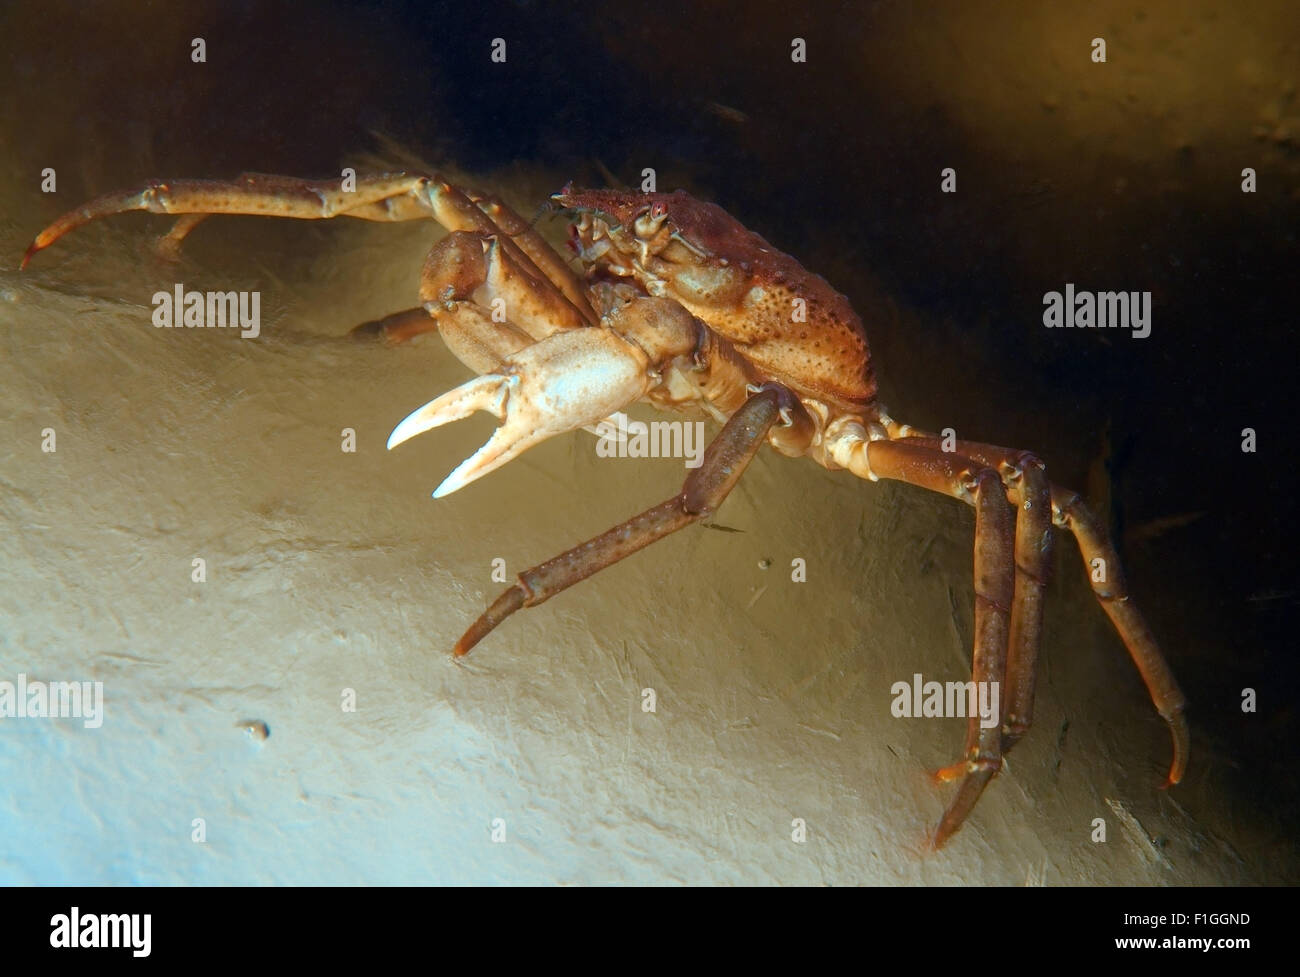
x,y
981,487
1027,486
542,254
704,490
169,245
485,269
397,327
535,306
392,197
387,197
1028,490
456,210
1108,584
463,275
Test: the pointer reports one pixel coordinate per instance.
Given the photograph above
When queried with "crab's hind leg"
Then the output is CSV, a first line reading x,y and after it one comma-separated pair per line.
x,y
1111,589
1040,505
1028,490
981,487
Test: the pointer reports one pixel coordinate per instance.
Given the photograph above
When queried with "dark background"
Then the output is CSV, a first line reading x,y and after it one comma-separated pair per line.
x,y
1123,176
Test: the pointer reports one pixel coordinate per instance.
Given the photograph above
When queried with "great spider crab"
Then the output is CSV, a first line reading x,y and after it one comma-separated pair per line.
x,y
678,304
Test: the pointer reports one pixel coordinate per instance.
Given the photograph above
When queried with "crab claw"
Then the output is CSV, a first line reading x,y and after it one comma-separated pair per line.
x,y
569,380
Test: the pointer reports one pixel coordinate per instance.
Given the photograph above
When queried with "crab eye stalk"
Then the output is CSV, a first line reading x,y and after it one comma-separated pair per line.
x,y
649,223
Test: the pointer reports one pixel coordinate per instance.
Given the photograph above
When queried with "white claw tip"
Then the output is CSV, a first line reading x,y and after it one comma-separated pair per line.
x,y
416,423
488,392
457,480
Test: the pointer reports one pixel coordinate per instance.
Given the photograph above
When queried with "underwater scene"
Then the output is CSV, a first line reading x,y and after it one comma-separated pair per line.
x,y
295,585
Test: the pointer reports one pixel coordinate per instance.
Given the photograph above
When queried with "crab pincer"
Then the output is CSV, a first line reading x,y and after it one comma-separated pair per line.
x,y
568,381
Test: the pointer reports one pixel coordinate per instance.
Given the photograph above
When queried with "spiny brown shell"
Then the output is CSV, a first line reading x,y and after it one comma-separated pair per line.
x,y
827,356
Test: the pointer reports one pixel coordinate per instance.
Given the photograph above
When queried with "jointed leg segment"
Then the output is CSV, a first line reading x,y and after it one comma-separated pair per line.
x,y
384,197
705,488
1029,491
1037,505
981,486
490,253
1108,584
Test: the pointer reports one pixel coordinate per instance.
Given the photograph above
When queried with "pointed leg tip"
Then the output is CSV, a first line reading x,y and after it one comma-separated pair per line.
x,y
949,825
367,331
39,243
1182,739
465,644
167,250
943,832
975,776
1175,777
501,608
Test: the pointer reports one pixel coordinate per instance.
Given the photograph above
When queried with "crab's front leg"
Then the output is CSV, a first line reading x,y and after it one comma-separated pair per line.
x,y
560,384
467,277
398,196
770,408
569,380
384,197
